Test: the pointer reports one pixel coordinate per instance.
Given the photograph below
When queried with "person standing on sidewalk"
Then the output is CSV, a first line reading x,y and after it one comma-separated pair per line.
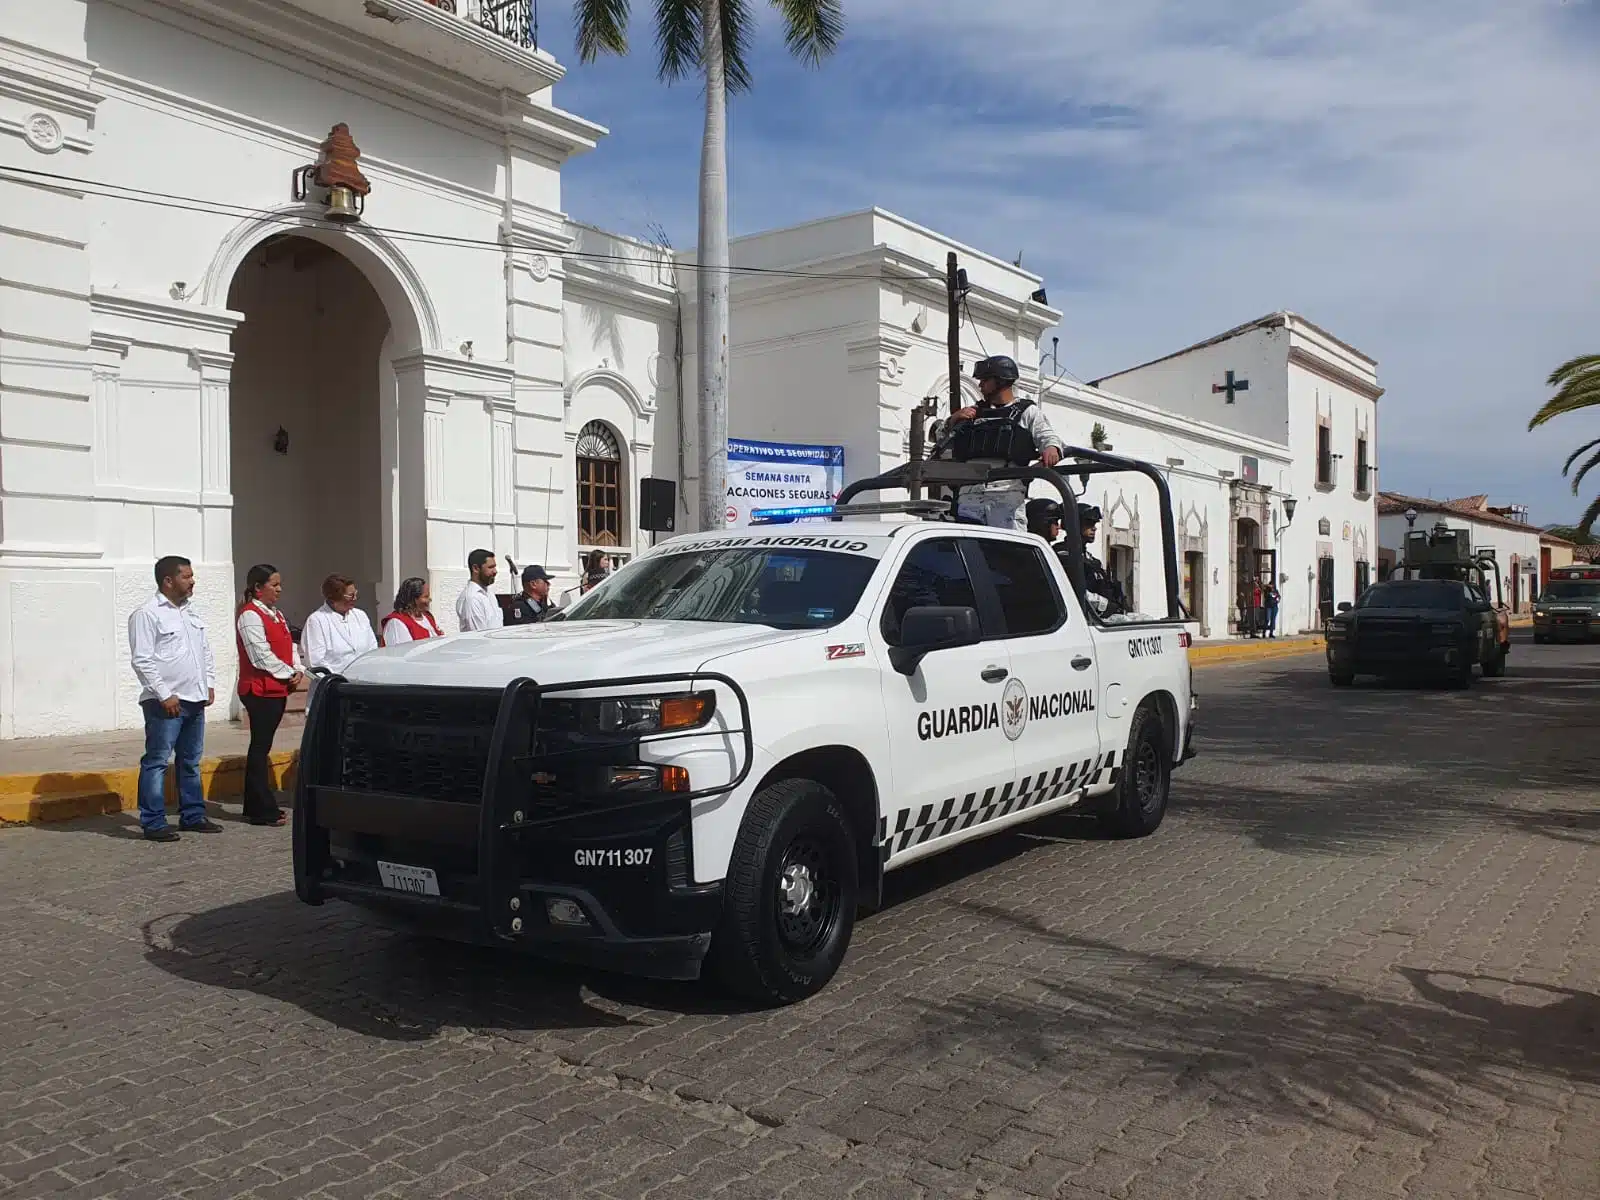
x,y
412,618
1271,598
269,670
177,683
476,608
338,633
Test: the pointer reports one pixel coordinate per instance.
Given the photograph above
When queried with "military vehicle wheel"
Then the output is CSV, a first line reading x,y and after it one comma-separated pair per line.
x,y
1496,666
1540,639
1140,799
1461,677
1341,678
789,902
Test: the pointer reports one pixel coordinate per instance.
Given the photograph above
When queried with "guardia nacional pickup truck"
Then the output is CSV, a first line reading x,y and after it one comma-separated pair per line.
x,y
716,756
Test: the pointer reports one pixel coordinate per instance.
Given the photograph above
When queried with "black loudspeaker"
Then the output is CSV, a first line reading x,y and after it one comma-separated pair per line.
x,y
658,499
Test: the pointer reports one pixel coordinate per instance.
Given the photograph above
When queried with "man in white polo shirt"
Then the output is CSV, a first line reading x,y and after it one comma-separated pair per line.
x,y
476,607
177,683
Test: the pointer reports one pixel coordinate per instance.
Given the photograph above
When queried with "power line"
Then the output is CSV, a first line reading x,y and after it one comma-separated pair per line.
x,y
118,191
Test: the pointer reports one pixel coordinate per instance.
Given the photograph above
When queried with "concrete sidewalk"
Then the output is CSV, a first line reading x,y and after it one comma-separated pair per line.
x,y
60,778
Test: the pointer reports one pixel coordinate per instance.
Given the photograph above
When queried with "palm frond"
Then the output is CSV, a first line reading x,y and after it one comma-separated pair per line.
x,y
811,28
678,39
1581,450
737,32
1590,516
602,28
1578,386
1573,367
1594,461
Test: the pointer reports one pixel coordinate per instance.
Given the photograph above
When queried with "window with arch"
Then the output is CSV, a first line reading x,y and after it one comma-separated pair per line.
x,y
599,486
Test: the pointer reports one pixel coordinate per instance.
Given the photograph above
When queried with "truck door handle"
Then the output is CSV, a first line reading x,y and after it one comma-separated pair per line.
x,y
1082,664
994,674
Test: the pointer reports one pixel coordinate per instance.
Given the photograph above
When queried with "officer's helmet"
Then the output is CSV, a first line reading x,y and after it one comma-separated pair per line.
x,y
999,367
1042,515
1088,514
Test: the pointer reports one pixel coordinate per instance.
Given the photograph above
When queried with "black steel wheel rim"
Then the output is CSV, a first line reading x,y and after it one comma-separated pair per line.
x,y
1147,776
808,911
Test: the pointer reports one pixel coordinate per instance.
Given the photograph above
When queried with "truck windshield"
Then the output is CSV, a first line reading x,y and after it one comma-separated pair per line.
x,y
1572,589
1430,594
782,587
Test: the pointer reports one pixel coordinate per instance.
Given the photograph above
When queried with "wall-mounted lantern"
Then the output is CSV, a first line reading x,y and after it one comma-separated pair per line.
x,y
280,440
337,172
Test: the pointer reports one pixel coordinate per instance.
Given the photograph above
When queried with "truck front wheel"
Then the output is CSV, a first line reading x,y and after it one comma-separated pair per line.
x,y
789,901
1140,799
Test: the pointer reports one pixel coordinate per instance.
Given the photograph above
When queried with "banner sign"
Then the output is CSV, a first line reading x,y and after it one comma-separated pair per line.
x,y
779,474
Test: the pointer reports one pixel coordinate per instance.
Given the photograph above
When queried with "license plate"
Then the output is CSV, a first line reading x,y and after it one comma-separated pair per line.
x,y
420,880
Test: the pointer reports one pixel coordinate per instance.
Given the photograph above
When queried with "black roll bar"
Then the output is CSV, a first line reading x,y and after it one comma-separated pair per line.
x,y
940,472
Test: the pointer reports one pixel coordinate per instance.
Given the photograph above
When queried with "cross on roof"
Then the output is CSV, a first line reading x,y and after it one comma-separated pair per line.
x,y
1233,385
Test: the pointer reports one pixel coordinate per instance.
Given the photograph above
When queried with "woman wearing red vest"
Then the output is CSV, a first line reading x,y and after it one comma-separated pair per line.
x,y
269,669
411,620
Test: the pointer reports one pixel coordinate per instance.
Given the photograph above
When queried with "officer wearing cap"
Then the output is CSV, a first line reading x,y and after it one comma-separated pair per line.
x,y
534,604
1001,432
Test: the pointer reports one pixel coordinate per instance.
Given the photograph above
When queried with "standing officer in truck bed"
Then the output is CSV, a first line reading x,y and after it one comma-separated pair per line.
x,y
1001,432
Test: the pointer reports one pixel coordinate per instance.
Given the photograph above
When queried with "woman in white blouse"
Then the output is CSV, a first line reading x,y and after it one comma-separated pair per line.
x,y
338,633
269,669
412,618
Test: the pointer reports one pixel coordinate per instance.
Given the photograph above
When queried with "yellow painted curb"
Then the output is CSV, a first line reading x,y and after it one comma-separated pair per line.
x,y
1252,649
65,795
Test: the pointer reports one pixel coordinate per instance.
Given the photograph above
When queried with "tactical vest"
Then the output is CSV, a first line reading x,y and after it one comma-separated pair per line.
x,y
995,434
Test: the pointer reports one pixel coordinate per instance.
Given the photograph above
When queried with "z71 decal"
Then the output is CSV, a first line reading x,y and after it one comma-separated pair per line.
x,y
1142,647
850,650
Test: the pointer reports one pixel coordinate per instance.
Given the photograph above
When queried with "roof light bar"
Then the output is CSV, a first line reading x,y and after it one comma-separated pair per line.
x,y
759,515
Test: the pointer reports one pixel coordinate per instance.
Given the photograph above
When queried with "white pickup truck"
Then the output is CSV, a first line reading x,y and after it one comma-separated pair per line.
x,y
716,755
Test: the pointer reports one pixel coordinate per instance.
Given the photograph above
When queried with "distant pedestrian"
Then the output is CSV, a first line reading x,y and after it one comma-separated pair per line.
x,y
1271,598
534,604
269,669
177,683
596,566
338,633
412,618
476,607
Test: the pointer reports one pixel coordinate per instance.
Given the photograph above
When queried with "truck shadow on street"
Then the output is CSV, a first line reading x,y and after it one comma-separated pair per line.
x,y
1102,1017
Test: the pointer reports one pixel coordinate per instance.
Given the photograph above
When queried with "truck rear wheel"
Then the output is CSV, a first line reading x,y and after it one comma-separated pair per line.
x,y
789,901
1140,799
1495,665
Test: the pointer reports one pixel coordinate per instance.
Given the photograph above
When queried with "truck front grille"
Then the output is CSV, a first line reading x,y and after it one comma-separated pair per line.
x,y
431,742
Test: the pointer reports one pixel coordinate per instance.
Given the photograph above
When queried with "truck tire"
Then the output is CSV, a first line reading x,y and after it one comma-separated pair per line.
x,y
1341,678
1461,677
1140,799
1495,667
789,901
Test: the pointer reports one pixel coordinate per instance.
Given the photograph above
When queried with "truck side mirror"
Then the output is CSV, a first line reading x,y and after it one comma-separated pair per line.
x,y
1344,606
930,627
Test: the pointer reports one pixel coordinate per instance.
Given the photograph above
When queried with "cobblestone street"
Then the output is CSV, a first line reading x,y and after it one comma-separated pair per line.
x,y
1361,958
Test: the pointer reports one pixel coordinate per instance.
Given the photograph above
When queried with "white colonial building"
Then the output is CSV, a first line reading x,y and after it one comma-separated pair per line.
x,y
199,356
1308,506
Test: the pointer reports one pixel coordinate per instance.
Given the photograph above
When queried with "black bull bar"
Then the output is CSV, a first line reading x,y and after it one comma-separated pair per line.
x,y
511,805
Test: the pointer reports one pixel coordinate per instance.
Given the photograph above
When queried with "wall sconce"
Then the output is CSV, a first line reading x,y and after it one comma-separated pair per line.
x,y
280,440
335,170
1289,503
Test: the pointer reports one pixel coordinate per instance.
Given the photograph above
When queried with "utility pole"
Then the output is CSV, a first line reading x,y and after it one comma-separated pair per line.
x,y
952,296
919,414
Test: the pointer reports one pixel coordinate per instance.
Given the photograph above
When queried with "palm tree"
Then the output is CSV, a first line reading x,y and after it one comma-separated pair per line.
x,y
711,40
1577,384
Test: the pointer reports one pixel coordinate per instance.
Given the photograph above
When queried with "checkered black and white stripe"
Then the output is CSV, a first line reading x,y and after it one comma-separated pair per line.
x,y
914,827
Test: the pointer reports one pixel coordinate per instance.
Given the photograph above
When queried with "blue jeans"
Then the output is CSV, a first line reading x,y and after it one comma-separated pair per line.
x,y
184,734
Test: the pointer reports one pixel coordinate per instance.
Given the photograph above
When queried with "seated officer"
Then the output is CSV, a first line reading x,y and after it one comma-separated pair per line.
x,y
1105,593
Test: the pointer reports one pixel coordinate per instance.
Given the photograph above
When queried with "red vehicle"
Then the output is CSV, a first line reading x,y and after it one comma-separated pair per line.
x,y
1569,607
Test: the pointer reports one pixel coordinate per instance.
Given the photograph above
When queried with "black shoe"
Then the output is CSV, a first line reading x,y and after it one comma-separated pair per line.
x,y
278,818
203,825
165,834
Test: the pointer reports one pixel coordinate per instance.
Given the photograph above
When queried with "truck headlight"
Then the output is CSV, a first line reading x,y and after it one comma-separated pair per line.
x,y
654,714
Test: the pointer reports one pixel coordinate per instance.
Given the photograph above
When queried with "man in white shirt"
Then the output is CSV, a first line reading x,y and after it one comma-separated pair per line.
x,y
177,683
476,607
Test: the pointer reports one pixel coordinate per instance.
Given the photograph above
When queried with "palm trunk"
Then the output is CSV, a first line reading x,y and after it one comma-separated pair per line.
x,y
712,284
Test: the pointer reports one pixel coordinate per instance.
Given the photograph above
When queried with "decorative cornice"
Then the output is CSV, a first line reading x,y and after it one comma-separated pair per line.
x,y
642,405
882,352
1318,365
652,300
160,311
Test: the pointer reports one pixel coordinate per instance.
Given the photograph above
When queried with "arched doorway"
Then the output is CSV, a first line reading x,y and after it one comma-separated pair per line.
x,y
315,428
1245,570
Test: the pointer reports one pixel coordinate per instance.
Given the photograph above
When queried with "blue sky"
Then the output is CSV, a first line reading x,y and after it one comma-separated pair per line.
x,y
1417,176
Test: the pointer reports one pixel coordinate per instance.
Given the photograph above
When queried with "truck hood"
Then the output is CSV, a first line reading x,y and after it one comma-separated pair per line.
x,y
560,652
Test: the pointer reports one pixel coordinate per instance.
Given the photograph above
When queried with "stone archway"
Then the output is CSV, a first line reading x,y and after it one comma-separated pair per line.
x,y
326,453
